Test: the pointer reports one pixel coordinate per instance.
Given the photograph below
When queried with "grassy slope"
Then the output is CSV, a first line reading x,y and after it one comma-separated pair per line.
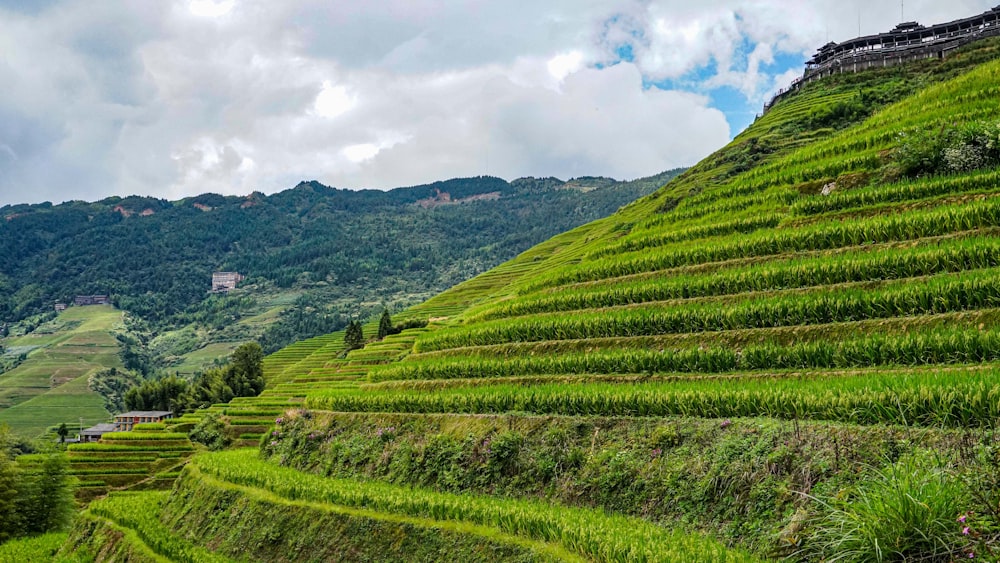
x,y
50,386
267,309
743,223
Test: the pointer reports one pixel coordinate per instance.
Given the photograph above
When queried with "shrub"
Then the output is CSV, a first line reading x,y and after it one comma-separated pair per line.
x,y
903,512
953,149
211,432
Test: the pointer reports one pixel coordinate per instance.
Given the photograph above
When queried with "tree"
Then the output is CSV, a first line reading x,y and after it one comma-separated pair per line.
x,y
245,373
34,499
243,377
158,395
63,431
385,325
46,496
9,517
354,337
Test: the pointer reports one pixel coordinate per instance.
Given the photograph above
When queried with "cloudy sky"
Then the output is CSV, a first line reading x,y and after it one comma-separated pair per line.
x,y
176,98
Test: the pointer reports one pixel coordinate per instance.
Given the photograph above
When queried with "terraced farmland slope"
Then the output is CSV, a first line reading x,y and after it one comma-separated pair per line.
x,y
791,350
50,386
147,458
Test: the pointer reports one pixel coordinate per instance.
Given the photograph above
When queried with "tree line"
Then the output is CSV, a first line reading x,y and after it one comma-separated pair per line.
x,y
242,377
36,496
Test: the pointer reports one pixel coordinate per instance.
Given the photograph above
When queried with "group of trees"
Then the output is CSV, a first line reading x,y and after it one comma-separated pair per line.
x,y
354,337
35,497
242,377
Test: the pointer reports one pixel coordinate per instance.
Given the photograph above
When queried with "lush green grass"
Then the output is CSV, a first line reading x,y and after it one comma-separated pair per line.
x,y
140,512
205,357
146,458
591,534
37,549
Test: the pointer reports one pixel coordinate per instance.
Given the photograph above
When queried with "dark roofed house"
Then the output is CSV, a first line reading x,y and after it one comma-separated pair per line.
x,y
125,421
95,432
83,300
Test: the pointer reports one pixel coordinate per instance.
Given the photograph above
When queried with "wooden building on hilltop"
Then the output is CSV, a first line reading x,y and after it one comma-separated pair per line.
x,y
226,281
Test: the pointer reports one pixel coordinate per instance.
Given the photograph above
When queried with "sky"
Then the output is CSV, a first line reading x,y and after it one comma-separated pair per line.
x,y
177,98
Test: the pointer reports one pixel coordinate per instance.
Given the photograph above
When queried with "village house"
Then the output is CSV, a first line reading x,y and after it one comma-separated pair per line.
x,y
225,281
95,432
83,300
125,421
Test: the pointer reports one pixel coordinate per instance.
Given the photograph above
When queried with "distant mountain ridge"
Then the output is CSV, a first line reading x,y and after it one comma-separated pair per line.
x,y
155,257
339,198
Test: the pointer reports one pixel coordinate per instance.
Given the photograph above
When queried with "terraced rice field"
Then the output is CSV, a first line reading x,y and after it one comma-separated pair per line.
x,y
677,382
50,386
148,457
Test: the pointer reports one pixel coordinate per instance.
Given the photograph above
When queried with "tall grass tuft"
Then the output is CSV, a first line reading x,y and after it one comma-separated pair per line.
x,y
904,512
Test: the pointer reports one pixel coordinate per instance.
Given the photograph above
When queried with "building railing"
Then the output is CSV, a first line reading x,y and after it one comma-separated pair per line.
x,y
893,48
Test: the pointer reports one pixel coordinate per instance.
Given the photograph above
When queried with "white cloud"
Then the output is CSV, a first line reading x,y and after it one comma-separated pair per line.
x,y
360,152
210,8
333,100
561,66
175,99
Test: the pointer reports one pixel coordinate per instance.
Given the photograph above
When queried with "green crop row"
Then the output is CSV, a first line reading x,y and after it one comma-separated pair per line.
x,y
735,204
644,239
821,236
251,422
110,471
953,255
99,447
927,398
120,459
897,193
936,346
139,512
253,412
149,436
703,200
593,534
938,294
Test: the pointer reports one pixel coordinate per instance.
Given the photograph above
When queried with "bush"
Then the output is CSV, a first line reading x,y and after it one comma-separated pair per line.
x,y
952,149
904,512
211,432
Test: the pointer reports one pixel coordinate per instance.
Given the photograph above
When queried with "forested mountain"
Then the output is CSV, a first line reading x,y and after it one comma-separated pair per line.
x,y
330,250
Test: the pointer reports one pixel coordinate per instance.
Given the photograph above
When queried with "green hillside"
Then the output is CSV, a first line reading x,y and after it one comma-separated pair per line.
x,y
50,385
791,350
313,256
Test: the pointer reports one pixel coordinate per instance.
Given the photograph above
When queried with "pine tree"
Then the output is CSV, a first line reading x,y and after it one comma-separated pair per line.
x,y
354,337
385,325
